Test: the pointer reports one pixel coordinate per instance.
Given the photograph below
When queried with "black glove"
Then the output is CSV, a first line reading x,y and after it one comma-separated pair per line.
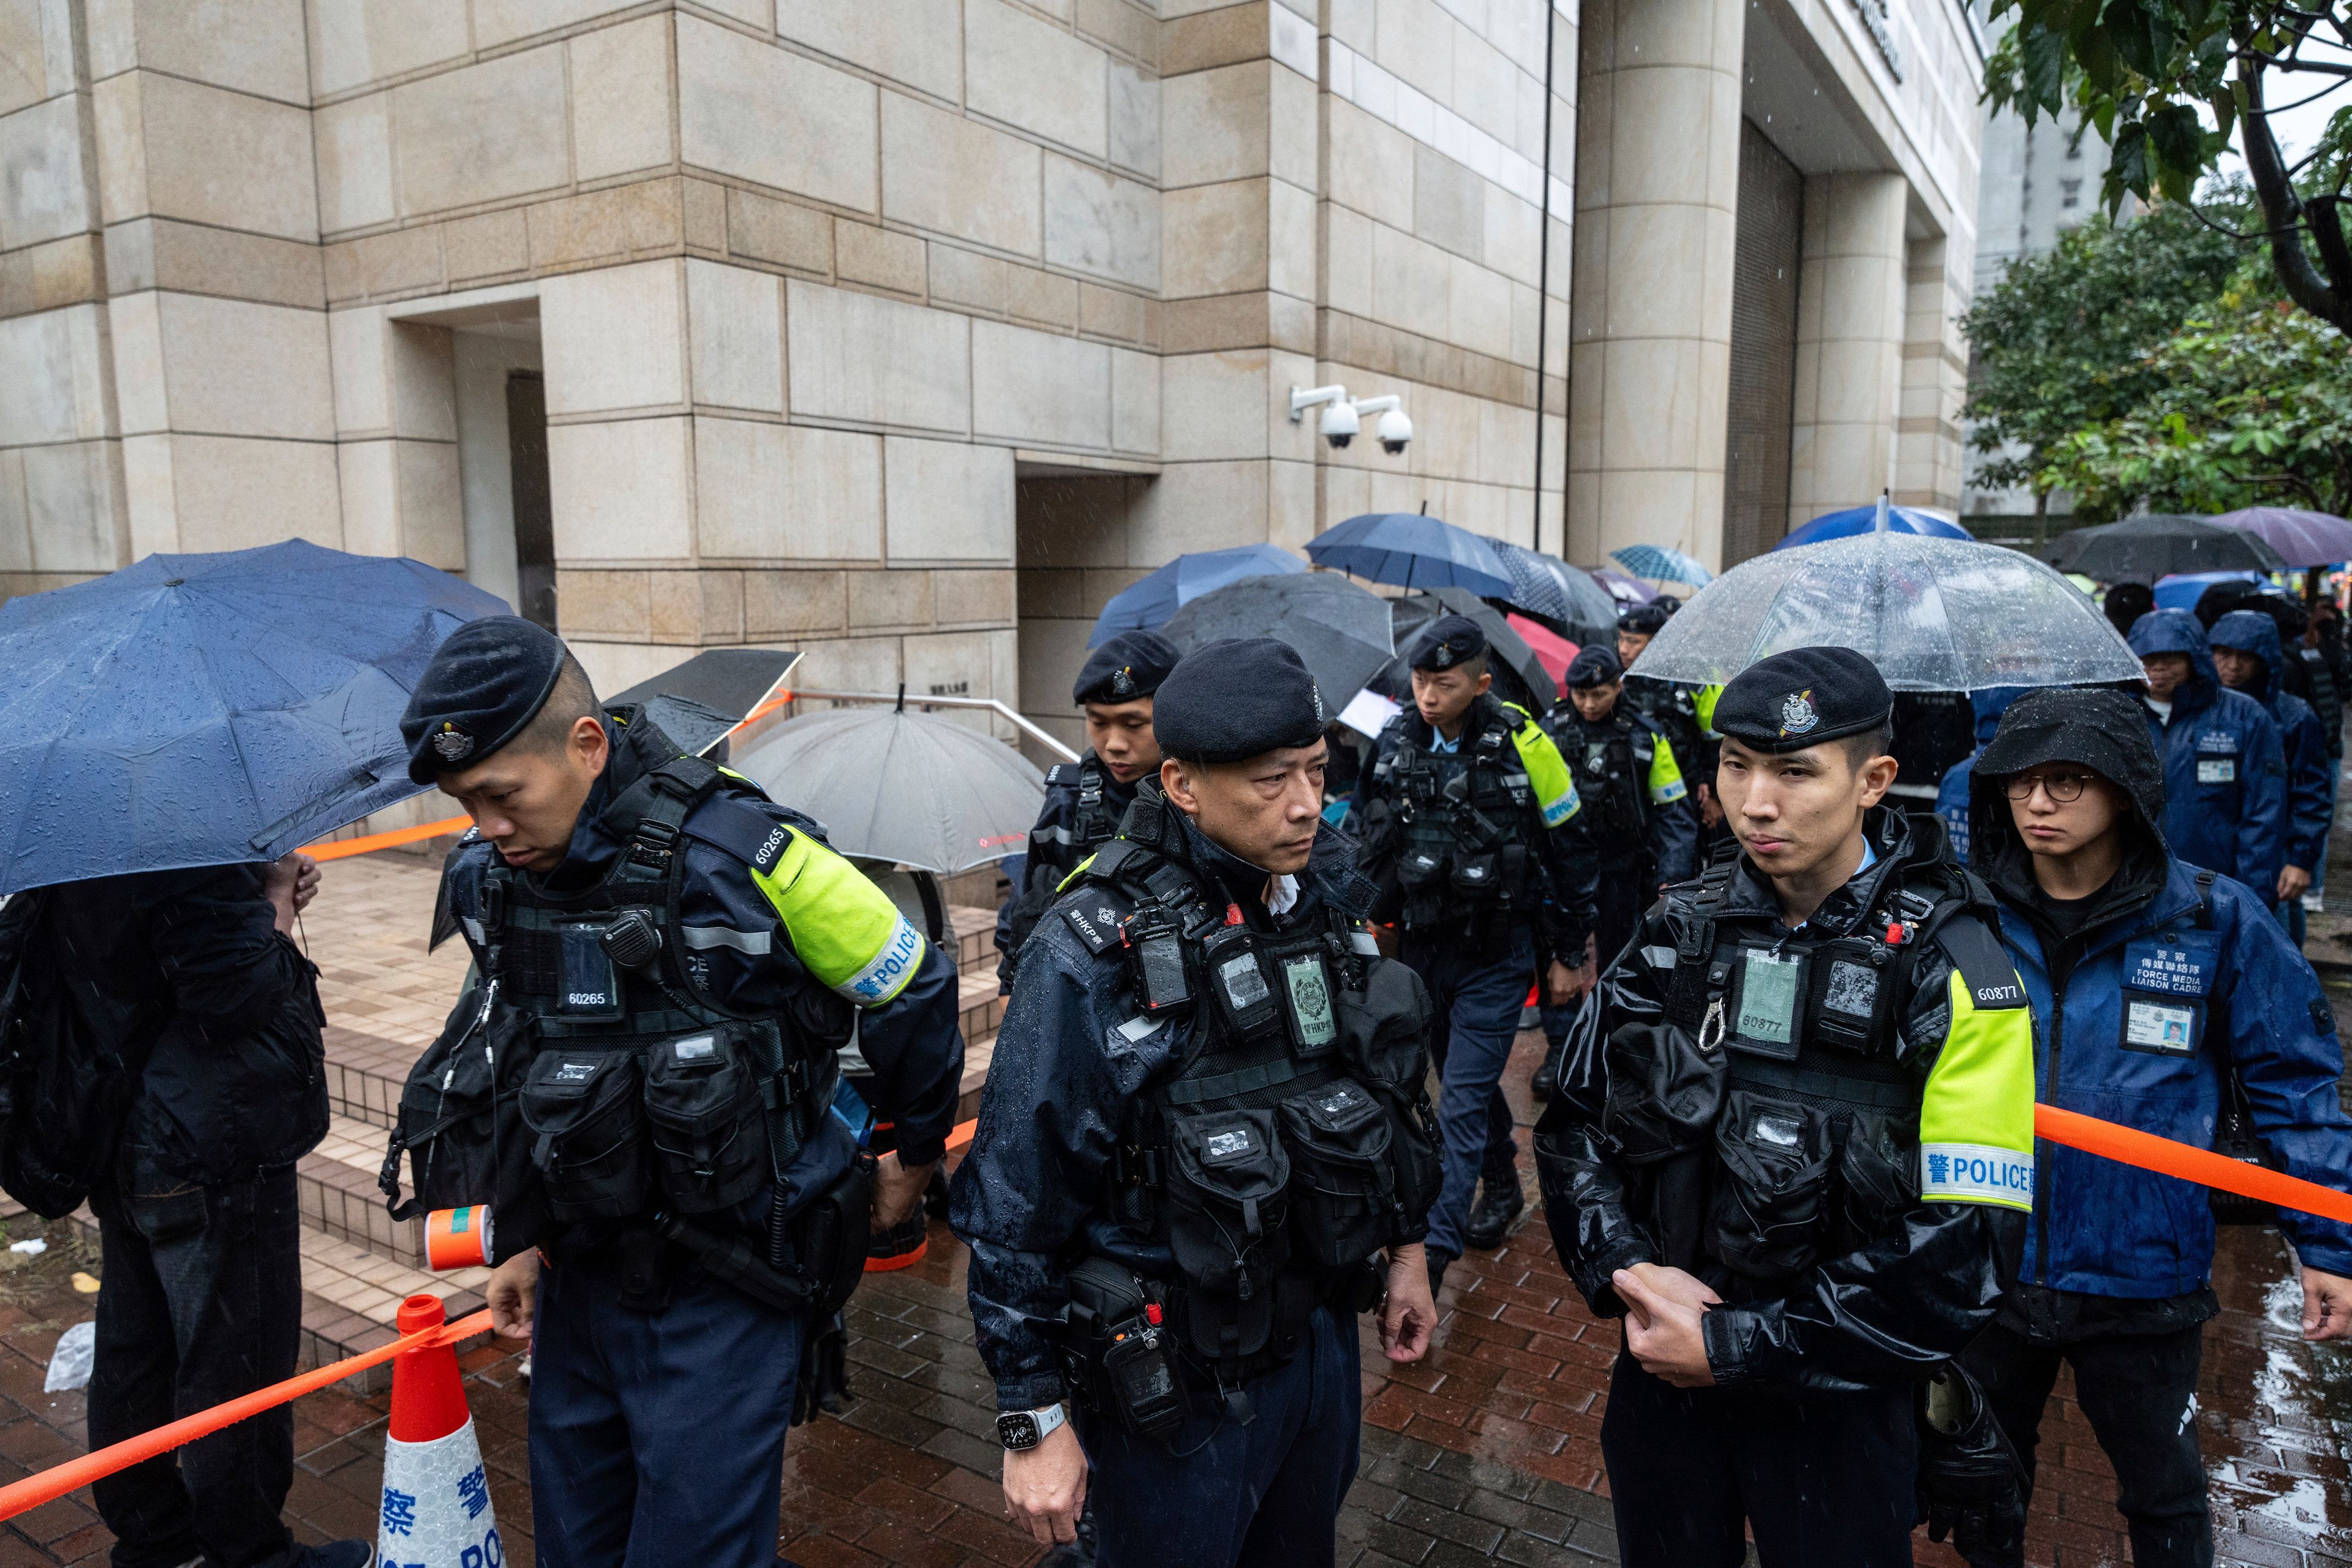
x,y
1971,1485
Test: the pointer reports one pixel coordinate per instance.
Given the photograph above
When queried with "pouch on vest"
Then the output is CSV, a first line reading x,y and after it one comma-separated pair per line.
x,y
1420,866
591,980
1342,1189
1383,1038
1848,998
709,1124
835,1229
1118,1352
1879,1169
1767,1204
1664,1092
460,1124
584,1105
1766,1006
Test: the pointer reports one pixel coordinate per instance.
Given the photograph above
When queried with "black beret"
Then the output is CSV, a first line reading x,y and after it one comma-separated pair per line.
x,y
1801,698
1232,700
1644,620
1129,666
1448,641
1594,664
487,679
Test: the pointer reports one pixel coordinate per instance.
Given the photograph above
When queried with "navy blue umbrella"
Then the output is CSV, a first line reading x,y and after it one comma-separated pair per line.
x,y
199,710
1856,520
1413,552
1146,603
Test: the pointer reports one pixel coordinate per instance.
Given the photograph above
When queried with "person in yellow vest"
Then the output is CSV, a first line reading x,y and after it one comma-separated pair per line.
x,y
1471,830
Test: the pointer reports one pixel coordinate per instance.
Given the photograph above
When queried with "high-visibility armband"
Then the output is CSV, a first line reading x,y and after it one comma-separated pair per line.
x,y
846,930
1976,1118
1666,775
1548,772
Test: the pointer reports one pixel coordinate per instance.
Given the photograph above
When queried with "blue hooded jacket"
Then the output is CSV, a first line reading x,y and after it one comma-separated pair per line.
x,y
2310,800
1952,793
2134,1013
2224,767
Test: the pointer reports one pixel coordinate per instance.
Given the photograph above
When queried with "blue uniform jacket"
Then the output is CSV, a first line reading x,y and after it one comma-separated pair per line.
x,y
2224,768
2310,791
1071,1056
1952,791
2110,1229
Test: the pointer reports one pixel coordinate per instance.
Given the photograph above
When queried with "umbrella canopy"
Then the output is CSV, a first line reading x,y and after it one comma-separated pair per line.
x,y
1340,630
1621,588
2183,591
200,710
1934,615
1660,564
1547,586
2142,549
697,702
1554,652
1147,604
1411,550
2301,538
911,788
1520,673
1856,520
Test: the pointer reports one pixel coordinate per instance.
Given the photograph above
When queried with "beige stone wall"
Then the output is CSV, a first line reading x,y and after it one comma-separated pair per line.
x,y
1851,326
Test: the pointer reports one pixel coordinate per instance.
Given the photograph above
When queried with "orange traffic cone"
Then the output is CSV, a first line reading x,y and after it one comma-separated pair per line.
x,y
436,1496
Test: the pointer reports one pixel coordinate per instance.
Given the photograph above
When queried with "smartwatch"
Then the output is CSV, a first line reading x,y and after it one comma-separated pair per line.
x,y
1019,1430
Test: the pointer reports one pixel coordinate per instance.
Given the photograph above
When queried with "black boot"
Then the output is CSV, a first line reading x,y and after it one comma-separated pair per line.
x,y
1499,1204
1547,1079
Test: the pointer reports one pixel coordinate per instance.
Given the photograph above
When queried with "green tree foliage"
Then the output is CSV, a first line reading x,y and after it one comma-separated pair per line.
x,y
2063,342
2250,404
2153,75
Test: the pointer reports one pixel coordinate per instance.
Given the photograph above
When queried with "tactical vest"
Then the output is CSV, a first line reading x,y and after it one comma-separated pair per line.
x,y
1095,823
1778,1121
1611,765
1292,1138
1463,855
645,1105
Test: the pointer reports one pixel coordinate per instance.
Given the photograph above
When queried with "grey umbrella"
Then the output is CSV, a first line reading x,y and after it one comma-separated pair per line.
x,y
905,787
1340,630
1546,585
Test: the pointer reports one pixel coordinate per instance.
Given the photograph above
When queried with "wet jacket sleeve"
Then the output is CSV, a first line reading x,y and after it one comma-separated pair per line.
x,y
2310,792
1571,870
1048,1121
2262,818
1891,1310
214,934
2289,1057
1673,817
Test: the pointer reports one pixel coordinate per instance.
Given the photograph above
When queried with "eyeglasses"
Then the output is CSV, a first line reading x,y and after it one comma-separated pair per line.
x,y
2063,788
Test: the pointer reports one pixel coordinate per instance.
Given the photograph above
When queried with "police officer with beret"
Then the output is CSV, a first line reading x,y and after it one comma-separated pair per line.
x,y
665,964
1084,799
1204,1147
1680,712
1637,810
1470,830
1797,1157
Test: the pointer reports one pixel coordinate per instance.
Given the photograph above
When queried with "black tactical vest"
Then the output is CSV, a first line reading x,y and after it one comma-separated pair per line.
x,y
1293,1137
1457,836
1610,762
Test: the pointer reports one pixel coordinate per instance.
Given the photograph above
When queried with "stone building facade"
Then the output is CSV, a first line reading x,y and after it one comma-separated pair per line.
x,y
906,332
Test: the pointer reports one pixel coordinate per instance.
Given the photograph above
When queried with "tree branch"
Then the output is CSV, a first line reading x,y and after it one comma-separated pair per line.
x,y
2301,281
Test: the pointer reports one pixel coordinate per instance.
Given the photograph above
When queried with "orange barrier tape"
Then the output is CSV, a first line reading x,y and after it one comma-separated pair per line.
x,y
52,1484
337,849
2130,1146
959,1137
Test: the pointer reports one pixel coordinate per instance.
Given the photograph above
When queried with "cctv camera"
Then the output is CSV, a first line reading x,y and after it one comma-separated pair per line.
x,y
1339,425
1394,430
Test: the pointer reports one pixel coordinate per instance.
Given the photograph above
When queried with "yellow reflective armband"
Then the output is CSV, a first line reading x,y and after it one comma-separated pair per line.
x,y
1547,774
1976,1118
1703,703
846,929
1666,775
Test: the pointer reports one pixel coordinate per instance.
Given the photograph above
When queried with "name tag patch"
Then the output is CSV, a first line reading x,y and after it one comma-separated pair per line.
x,y
1769,988
1976,1173
2172,970
2217,770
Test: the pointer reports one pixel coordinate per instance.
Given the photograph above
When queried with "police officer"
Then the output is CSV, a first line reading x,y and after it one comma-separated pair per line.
x,y
1796,1152
1467,813
1084,799
1680,712
2248,657
1204,1146
1637,811
665,964
2224,765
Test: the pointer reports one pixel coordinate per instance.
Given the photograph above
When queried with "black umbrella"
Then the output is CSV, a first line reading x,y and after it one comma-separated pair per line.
x,y
1546,586
697,703
1520,675
1340,630
2142,549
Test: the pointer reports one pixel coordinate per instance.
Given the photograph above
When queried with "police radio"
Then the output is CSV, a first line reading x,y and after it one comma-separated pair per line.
x,y
1246,1005
1155,951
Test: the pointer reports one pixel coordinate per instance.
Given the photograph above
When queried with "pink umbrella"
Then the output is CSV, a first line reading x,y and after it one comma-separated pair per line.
x,y
1552,650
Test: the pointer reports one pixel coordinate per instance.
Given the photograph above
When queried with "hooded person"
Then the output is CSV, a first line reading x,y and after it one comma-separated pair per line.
x,y
2155,987
2248,657
2224,765
1952,792
2125,602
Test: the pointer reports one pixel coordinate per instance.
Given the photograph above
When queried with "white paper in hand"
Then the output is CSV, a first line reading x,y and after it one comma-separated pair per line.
x,y
69,1367
1368,713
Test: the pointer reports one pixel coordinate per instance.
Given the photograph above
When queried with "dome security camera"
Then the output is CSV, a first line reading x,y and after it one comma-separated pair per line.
x,y
1394,430
1339,425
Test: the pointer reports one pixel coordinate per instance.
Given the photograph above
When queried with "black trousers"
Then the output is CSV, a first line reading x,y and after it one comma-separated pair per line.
x,y
2139,1393
1825,1480
202,1302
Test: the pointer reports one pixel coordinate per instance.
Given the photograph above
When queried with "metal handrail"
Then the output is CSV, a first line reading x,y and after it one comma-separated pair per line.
x,y
901,698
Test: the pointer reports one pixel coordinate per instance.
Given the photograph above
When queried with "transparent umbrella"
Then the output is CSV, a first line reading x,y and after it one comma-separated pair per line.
x,y
1934,615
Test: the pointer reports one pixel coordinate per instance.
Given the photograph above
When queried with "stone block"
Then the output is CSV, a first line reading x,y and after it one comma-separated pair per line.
x,y
1123,27
234,368
73,505
947,501
967,278
481,133
855,664
500,22
401,261
1045,297
620,489
419,361
1195,37
750,110
621,108
705,214
1135,402
1214,405
258,49
369,483
957,177
1415,43
979,664
489,246
16,526
431,508
355,42
1481,305
1449,204
880,258
1290,232
62,272
612,338
136,328
785,603
1372,166
781,232
722,604
213,156
55,388
43,194
1031,386
1198,506
1411,284
1109,314
1215,125
234,493
1098,223
1347,260
676,603
1036,76
616,604
354,148
736,337
877,362
1214,239
973,598
36,53
1134,127
894,599
787,492
917,42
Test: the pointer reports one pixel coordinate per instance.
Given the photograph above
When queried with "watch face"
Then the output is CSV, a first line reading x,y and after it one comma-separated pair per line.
x,y
1017,1431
